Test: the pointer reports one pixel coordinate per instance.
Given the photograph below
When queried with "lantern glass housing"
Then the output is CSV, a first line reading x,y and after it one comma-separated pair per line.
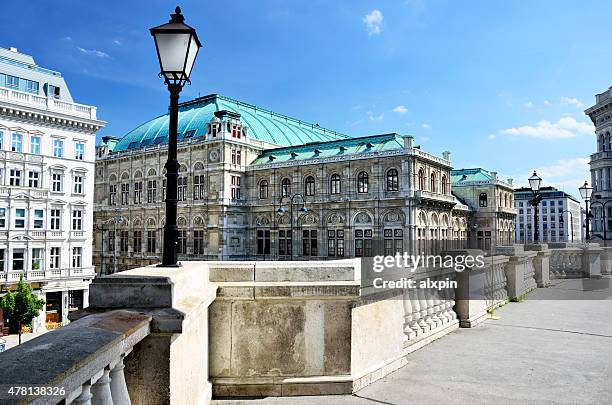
x,y
177,46
534,182
585,191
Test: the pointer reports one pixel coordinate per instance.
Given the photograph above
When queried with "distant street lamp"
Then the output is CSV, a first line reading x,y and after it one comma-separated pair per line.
x,y
585,193
534,183
292,202
177,46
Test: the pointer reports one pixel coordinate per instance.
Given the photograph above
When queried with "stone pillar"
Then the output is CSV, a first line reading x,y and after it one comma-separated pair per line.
x,y
541,263
470,300
591,261
64,307
177,299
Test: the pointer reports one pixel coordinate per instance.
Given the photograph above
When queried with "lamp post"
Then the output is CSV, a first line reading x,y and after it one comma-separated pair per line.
x,y
562,221
534,183
585,193
177,46
292,202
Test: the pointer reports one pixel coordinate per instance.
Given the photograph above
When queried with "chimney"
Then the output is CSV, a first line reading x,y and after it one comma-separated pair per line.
x,y
408,142
510,181
446,155
494,175
13,49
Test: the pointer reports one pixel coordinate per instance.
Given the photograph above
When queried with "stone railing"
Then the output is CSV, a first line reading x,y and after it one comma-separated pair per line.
x,y
143,340
47,103
496,282
573,260
82,363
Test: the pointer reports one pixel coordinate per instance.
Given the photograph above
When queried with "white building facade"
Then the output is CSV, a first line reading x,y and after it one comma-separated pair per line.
x,y
47,153
601,166
560,218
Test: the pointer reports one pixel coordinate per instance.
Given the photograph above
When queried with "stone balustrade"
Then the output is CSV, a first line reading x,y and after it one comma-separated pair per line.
x,y
82,363
572,260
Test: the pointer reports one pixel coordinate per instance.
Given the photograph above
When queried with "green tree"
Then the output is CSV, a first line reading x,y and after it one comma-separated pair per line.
x,y
22,305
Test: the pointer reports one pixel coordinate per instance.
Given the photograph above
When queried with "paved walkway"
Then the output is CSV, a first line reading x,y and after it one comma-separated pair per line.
x,y
13,340
554,348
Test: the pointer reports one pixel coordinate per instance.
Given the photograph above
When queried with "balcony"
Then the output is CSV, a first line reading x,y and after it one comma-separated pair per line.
x,y
428,195
47,104
12,277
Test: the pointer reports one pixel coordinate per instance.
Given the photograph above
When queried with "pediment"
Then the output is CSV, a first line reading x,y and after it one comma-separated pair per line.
x,y
21,238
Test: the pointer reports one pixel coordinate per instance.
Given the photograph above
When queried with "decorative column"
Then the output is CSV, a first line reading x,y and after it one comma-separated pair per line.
x,y
101,390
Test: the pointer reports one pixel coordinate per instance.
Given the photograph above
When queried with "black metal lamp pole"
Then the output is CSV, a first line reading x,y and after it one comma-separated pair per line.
x,y
534,183
585,193
291,204
177,46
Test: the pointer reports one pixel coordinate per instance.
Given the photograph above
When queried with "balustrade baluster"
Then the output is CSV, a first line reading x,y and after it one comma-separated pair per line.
x,y
426,321
101,390
408,316
118,386
85,397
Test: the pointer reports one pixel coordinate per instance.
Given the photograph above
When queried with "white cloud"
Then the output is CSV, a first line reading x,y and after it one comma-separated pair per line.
x,y
492,136
566,127
571,101
426,126
400,109
546,102
116,42
528,104
373,22
564,168
565,174
93,52
373,117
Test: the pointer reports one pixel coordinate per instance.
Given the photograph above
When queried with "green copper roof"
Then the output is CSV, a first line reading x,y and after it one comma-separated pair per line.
x,y
263,125
341,148
467,175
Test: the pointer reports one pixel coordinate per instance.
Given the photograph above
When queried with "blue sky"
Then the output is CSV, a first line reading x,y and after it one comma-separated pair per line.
x,y
501,84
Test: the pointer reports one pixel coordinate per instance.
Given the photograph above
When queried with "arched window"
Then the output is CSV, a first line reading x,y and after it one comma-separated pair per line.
x,y
392,180
285,187
444,185
309,186
601,145
432,183
505,200
335,184
482,200
421,180
263,189
362,182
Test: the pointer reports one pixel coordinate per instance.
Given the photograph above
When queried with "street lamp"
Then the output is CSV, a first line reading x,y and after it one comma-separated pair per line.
x,y
585,193
534,182
562,221
177,46
292,202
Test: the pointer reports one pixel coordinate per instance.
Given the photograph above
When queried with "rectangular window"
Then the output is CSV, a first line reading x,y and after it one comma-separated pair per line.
x,y
2,259
55,219
54,258
151,191
1,140
198,187
164,190
335,243
182,188
35,145
2,217
79,151
198,242
137,242
77,254
58,148
12,82
37,258
394,242
33,179
53,91
236,131
284,243
15,177
18,259
111,241
112,194
263,242
123,241
17,142
363,243
233,156
20,218
138,192
39,216
182,241
309,243
235,189
32,86
77,220
125,194
78,184
56,182
151,236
